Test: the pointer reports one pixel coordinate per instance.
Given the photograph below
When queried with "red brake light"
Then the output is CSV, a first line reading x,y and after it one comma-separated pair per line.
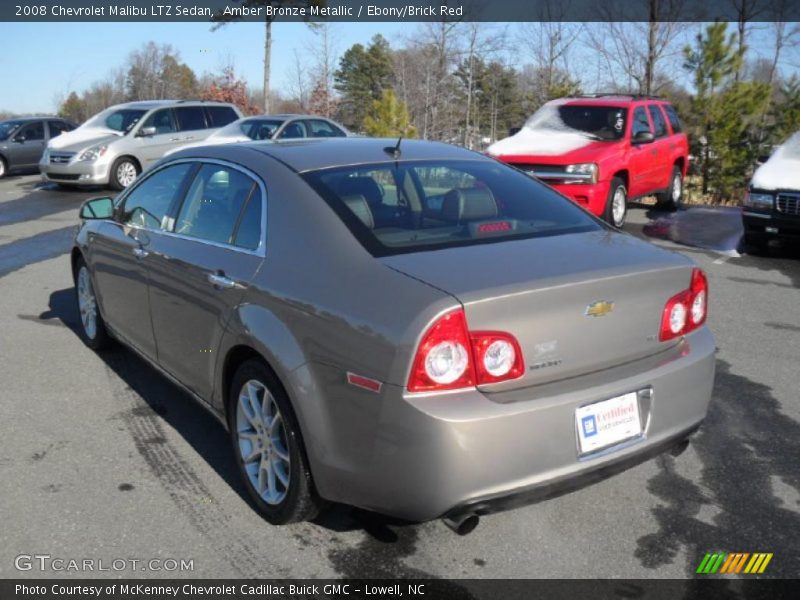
x,y
451,357
444,358
686,311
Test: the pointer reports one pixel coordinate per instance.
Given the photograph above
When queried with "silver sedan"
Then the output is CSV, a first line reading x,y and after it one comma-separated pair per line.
x,y
403,326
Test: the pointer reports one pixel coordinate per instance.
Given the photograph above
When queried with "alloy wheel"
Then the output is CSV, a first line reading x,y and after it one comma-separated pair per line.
x,y
263,447
87,304
126,173
677,188
618,206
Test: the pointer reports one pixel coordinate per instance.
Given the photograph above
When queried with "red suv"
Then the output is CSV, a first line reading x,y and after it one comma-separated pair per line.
x,y
603,150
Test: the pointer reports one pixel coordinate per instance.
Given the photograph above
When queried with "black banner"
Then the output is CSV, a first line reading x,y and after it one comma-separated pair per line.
x,y
398,10
429,589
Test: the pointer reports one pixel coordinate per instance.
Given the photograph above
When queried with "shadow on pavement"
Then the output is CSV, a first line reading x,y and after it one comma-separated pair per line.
x,y
747,499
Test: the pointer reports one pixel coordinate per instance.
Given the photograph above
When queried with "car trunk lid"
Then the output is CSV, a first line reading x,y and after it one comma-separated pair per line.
x,y
576,303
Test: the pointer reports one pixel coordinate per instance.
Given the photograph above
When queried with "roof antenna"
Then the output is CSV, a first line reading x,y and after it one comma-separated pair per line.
x,y
394,150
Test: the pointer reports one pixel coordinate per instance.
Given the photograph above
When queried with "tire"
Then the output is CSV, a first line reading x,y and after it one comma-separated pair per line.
x,y
3,167
124,172
92,328
612,216
672,198
287,495
754,244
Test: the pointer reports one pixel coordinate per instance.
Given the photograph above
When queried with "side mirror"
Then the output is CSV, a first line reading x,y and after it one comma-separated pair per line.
x,y
514,131
147,132
97,208
19,139
643,137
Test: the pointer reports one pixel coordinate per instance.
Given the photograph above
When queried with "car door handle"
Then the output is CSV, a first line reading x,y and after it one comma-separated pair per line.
x,y
139,252
177,139
221,281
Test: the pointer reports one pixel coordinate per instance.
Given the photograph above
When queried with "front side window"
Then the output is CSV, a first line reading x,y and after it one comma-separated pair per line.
x,y
7,128
121,120
394,208
190,118
161,120
658,121
149,202
214,203
640,122
32,132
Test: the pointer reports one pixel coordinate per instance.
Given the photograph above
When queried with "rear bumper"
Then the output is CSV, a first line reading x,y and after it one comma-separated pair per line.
x,y
76,173
592,196
419,457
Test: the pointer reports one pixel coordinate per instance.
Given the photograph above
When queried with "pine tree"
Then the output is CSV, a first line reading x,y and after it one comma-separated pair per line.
x,y
362,76
389,118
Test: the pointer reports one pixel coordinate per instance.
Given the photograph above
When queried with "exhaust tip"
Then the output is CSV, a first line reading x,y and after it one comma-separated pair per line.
x,y
462,524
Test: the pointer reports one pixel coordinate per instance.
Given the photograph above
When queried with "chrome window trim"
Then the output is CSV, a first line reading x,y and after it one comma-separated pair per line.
x,y
260,251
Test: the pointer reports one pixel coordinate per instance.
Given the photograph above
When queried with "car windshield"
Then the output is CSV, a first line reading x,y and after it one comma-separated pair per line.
x,y
260,129
400,207
7,128
121,120
599,122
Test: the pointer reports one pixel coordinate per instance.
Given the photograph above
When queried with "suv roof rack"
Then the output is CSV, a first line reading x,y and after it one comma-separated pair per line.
x,y
620,94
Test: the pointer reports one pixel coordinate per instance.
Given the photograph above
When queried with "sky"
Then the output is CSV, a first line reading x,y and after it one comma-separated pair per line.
x,y
48,60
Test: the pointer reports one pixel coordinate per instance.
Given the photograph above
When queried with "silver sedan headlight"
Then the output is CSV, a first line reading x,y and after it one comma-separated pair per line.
x,y
587,172
93,153
758,200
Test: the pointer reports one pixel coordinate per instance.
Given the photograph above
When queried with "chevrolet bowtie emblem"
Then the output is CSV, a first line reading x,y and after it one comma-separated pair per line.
x,y
599,309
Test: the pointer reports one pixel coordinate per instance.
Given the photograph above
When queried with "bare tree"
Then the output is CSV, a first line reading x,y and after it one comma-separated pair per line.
x,y
786,35
632,52
325,51
746,12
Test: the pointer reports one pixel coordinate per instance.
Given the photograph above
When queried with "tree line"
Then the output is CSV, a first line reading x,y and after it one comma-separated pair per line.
x,y
471,83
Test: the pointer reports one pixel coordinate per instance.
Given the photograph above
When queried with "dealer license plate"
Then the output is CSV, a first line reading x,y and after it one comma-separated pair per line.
x,y
609,422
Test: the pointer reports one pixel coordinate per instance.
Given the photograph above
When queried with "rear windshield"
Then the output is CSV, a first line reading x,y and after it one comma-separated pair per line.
x,y
394,208
599,122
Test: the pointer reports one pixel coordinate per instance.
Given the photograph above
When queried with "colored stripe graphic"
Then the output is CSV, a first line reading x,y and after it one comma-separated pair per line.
x,y
734,562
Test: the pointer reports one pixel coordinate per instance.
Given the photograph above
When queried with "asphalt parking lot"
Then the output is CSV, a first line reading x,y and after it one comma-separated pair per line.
x,y
102,458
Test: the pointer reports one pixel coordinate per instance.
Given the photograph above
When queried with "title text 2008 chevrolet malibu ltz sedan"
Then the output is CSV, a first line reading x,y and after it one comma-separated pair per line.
x,y
417,330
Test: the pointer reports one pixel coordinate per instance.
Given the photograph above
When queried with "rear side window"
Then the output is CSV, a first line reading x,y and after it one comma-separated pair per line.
x,y
190,118
149,202
59,127
674,120
219,116
394,208
295,129
658,121
213,204
640,122
248,232
320,128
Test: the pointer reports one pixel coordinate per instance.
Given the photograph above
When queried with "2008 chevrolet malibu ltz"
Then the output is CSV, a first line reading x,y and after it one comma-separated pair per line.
x,y
408,327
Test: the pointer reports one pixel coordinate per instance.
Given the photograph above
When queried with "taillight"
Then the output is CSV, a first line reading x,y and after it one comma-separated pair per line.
x,y
686,311
450,357
497,356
